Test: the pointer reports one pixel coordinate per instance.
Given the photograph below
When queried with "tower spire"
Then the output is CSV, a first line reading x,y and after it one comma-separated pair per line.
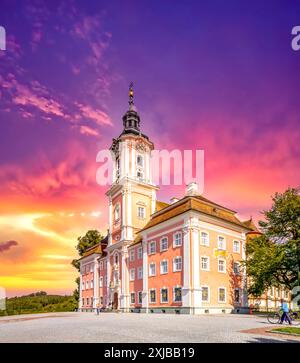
x,y
131,103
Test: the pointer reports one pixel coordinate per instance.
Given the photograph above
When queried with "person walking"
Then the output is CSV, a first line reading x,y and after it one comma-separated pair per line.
x,y
285,313
98,309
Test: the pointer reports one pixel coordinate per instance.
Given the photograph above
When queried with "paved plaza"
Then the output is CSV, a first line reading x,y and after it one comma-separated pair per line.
x,y
151,328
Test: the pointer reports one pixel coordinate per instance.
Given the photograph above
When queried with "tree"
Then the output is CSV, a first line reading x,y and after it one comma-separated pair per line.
x,y
273,258
90,239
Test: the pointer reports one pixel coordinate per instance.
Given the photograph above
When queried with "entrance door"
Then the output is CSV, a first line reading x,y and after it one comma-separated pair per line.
x,y
115,303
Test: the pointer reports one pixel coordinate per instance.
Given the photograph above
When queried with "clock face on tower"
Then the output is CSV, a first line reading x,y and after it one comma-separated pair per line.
x,y
140,147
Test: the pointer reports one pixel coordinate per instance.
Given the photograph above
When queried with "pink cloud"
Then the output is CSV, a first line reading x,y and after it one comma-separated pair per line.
x,y
86,130
100,117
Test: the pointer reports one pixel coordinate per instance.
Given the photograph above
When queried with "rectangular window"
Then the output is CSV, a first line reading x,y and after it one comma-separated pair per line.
x,y
236,295
140,295
164,244
131,255
91,268
87,285
140,253
221,265
101,265
221,243
101,281
164,298
152,247
82,301
177,239
204,239
177,264
236,268
101,300
87,301
286,294
236,246
140,273
153,296
132,298
141,212
152,269
177,294
132,274
222,295
163,267
205,294
205,263
92,284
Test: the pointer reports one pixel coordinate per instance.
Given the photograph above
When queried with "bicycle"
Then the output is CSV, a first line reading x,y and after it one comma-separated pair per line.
x,y
275,317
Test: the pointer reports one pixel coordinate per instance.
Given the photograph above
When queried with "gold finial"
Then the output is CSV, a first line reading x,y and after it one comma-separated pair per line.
x,y
131,94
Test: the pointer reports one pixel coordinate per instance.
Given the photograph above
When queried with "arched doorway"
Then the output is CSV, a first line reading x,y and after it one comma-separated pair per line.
x,y
115,302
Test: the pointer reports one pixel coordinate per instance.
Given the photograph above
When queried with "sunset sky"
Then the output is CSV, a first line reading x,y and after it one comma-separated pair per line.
x,y
212,75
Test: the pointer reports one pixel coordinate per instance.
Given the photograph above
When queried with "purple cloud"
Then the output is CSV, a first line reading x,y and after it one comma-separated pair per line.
x,y
5,246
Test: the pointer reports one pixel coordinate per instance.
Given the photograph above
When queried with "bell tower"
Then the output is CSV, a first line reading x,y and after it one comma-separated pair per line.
x,y
132,196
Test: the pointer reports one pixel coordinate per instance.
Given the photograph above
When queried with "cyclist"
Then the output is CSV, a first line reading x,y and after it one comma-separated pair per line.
x,y
285,314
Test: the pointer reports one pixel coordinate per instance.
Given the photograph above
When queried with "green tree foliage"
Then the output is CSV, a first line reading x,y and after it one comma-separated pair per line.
x,y
274,257
90,239
39,302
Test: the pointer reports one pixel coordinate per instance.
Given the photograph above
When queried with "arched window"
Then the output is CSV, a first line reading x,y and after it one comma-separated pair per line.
x,y
140,160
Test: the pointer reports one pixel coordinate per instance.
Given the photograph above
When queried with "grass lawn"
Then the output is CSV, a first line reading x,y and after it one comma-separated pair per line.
x,y
290,330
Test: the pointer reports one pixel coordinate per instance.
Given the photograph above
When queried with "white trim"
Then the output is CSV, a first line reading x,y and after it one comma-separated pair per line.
x,y
239,248
152,302
130,276
176,287
222,302
152,263
160,266
225,267
224,243
140,269
160,244
140,253
174,239
208,263
138,297
150,243
202,244
132,253
208,294
164,288
174,263
132,293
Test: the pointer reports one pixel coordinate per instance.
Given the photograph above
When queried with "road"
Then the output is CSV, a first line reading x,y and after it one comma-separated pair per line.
x,y
120,327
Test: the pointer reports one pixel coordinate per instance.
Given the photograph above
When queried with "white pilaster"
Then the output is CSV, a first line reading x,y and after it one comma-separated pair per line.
x,y
145,297
108,271
244,273
124,217
110,221
186,289
96,284
80,290
196,290
124,298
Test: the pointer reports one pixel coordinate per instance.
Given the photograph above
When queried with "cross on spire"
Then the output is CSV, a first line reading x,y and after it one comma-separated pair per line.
x,y
131,103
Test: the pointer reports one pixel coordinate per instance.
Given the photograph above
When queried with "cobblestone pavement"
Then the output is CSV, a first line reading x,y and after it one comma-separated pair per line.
x,y
153,328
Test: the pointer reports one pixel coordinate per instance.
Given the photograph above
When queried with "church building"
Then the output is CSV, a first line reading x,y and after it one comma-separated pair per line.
x,y
178,257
